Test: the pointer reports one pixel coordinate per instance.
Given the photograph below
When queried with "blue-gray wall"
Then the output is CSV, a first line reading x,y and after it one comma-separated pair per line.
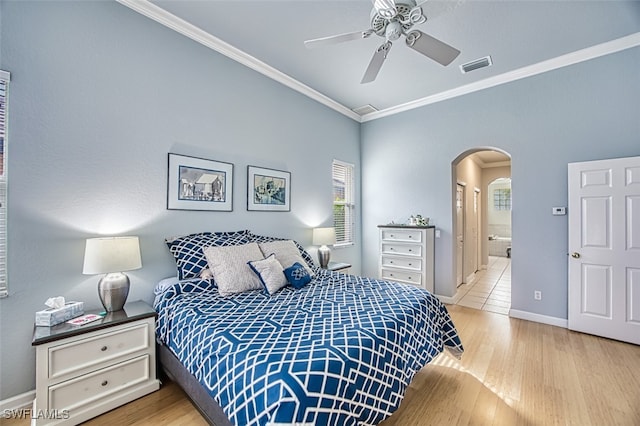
x,y
99,95
583,112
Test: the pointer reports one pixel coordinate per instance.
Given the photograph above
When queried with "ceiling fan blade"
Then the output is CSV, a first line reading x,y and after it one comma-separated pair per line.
x,y
376,63
431,47
340,38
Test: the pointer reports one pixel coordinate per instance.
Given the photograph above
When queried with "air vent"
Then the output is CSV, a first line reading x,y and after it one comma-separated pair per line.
x,y
365,109
477,64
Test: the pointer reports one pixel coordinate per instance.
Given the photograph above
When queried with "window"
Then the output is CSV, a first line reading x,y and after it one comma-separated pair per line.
x,y
343,202
502,199
4,82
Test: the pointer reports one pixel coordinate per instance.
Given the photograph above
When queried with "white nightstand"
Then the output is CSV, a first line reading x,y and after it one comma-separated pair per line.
x,y
339,266
84,371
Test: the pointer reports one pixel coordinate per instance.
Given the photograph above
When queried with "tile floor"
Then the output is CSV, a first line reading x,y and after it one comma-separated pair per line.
x,y
491,288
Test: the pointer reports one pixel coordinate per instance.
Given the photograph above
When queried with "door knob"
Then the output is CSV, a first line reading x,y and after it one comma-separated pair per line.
x,y
575,255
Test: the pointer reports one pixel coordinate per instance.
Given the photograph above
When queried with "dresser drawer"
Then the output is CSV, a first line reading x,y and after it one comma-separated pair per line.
x,y
401,262
402,235
402,249
86,389
83,353
403,276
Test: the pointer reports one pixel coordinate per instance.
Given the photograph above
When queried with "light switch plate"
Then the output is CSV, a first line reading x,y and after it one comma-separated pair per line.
x,y
559,211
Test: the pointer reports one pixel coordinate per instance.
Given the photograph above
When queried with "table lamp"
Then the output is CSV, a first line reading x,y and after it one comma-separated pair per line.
x,y
323,237
112,256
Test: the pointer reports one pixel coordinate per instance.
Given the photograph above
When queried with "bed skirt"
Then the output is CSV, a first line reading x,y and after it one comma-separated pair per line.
x,y
206,405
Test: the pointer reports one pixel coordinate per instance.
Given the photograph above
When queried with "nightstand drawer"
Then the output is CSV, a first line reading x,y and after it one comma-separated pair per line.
x,y
404,249
83,353
86,389
408,235
402,262
403,276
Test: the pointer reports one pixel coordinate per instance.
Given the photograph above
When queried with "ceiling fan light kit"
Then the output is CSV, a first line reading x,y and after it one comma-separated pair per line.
x,y
391,19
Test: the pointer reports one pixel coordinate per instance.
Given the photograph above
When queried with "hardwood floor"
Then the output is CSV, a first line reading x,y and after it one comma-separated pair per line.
x,y
513,372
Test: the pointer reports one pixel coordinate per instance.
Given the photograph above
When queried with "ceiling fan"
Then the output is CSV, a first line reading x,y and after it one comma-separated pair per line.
x,y
391,19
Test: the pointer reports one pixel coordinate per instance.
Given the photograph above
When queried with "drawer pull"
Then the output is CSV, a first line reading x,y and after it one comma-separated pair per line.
x,y
390,275
104,383
104,348
410,236
390,248
409,277
391,235
411,264
391,261
410,250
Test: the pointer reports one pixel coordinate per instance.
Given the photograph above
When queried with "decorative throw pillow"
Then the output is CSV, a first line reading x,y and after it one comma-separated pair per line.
x,y
286,252
270,272
230,270
297,275
187,250
266,239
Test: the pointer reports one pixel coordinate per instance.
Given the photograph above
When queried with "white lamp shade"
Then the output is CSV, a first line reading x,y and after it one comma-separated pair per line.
x,y
111,254
324,236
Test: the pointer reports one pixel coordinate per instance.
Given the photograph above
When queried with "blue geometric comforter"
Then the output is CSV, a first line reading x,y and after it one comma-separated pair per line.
x,y
340,351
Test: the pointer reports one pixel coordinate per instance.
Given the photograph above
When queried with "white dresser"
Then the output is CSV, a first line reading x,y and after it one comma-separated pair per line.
x,y
84,371
407,255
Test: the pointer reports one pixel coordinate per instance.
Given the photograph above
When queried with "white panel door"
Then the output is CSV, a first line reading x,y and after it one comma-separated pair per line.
x,y
604,248
459,234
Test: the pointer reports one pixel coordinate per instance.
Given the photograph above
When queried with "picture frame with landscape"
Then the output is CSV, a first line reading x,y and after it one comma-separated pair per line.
x,y
268,189
199,184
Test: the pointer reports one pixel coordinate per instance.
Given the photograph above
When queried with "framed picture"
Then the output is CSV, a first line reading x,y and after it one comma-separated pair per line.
x,y
268,189
199,184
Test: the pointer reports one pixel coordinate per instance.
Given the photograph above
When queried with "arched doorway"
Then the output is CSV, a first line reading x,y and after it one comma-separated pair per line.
x,y
482,278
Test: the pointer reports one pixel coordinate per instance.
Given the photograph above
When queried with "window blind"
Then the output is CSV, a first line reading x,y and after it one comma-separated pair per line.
x,y
4,83
343,202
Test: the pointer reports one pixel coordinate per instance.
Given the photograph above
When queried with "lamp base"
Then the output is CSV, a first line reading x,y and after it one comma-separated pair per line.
x,y
324,254
113,290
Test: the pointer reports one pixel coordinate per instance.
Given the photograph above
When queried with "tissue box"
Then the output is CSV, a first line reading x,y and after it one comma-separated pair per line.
x,y
53,316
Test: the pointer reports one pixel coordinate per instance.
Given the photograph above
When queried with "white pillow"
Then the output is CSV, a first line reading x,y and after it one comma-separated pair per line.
x,y
206,274
230,270
270,272
164,284
286,252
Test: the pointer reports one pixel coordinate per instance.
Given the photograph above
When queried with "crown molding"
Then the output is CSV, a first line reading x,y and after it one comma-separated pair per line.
x,y
483,165
158,14
613,46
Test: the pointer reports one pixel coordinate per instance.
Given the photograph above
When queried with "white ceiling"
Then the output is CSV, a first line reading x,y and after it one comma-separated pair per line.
x,y
491,159
522,37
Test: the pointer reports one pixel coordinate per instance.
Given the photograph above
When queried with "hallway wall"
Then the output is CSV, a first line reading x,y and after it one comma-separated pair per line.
x,y
469,173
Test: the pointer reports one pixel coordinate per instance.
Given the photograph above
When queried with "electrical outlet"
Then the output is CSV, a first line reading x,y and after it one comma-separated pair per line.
x,y
537,295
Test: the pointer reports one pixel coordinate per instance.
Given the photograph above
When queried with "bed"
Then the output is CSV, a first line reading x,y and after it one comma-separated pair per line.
x,y
339,349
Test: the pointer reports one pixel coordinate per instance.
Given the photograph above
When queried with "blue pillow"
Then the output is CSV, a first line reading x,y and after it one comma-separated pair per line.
x,y
297,275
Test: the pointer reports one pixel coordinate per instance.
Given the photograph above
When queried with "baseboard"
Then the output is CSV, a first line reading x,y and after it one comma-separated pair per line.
x,y
544,319
449,300
471,278
19,401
